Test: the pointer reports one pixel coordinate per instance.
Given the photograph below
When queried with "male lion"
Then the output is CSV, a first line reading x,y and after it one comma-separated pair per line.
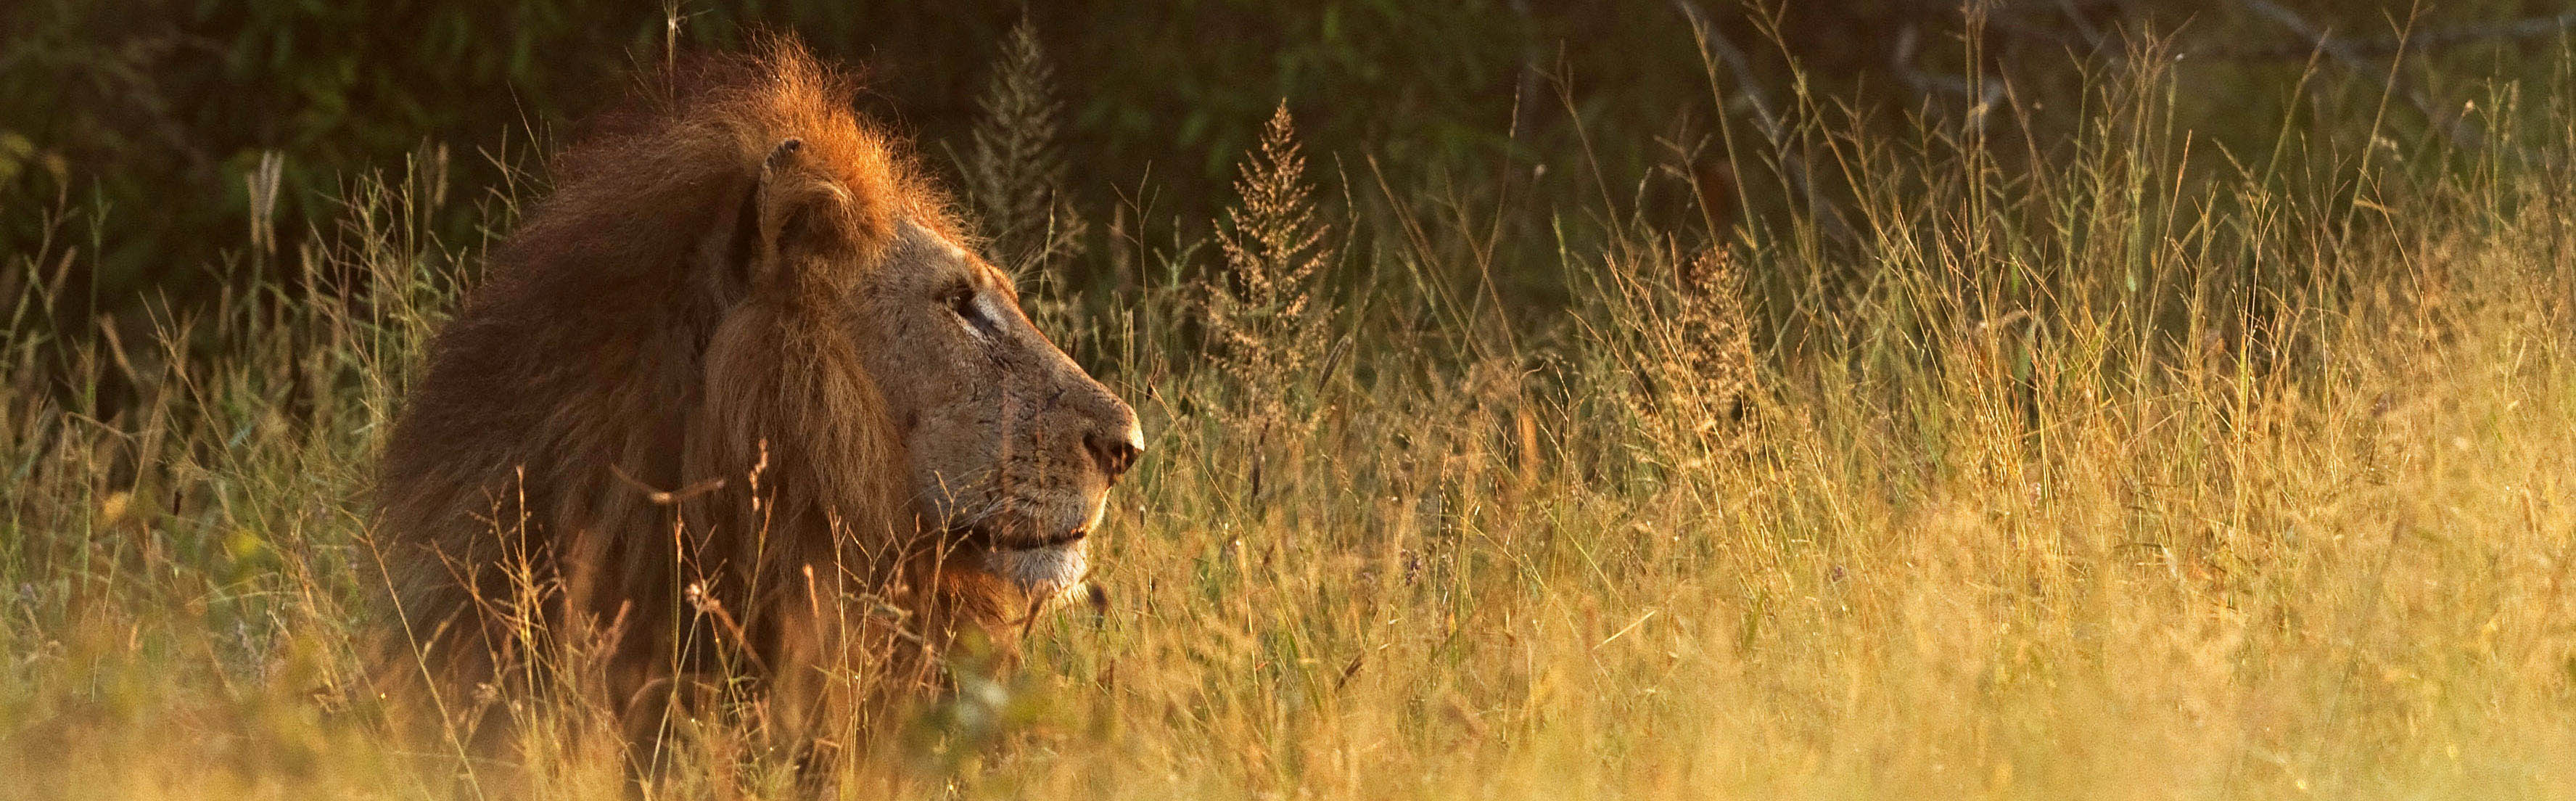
x,y
735,401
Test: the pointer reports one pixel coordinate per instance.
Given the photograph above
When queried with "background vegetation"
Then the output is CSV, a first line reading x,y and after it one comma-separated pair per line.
x,y
1652,400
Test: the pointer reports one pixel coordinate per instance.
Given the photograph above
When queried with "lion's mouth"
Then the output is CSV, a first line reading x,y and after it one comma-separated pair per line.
x,y
1045,565
986,535
1055,541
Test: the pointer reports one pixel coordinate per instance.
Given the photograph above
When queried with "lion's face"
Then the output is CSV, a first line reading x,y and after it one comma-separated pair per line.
x,y
1012,446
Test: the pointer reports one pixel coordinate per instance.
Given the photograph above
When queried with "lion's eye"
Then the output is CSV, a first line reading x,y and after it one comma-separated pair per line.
x,y
961,302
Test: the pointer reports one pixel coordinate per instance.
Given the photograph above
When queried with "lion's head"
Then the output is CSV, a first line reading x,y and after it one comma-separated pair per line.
x,y
1007,447
741,363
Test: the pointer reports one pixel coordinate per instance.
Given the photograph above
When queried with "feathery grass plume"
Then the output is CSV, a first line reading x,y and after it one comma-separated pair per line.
x,y
1015,177
1709,377
1261,313
1676,339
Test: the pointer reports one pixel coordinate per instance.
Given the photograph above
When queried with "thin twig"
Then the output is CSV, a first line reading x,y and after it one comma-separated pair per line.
x,y
2343,51
2516,30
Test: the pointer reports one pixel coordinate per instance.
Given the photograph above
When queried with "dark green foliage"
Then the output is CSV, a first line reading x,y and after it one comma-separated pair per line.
x,y
141,119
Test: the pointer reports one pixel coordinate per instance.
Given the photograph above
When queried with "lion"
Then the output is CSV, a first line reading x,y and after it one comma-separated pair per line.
x,y
737,399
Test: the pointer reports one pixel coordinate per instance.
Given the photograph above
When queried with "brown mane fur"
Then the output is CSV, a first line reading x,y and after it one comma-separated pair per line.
x,y
644,436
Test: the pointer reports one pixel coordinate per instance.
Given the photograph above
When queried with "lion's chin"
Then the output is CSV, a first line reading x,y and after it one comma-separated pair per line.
x,y
1043,571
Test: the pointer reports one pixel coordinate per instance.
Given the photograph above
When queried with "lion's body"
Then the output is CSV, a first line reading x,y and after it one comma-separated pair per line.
x,y
654,444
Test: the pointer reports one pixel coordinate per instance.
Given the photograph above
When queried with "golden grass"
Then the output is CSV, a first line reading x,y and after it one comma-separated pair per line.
x,y
2105,476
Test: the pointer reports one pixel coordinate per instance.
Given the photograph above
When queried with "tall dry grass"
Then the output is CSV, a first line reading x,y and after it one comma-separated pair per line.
x,y
2107,469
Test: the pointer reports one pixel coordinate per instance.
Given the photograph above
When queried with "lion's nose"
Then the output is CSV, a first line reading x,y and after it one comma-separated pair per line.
x,y
1116,449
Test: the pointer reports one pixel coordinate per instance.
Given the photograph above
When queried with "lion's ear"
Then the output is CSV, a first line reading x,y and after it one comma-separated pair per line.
x,y
796,210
